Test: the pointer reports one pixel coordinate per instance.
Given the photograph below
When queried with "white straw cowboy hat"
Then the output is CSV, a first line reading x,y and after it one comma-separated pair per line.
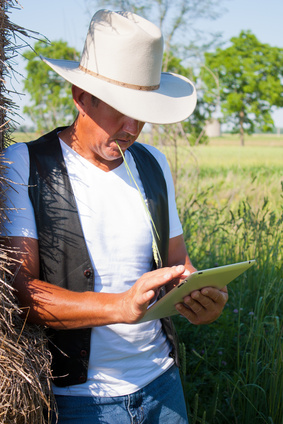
x,y
121,65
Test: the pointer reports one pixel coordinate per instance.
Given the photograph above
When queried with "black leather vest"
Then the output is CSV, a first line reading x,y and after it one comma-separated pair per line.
x,y
64,259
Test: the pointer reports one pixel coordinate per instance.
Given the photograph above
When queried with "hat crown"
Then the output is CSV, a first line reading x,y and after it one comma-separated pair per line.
x,y
121,65
123,48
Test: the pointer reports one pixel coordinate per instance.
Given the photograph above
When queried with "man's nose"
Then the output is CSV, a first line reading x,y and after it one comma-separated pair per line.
x,y
132,126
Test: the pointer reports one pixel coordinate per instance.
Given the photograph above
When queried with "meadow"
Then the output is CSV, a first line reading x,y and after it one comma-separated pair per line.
x,y
230,203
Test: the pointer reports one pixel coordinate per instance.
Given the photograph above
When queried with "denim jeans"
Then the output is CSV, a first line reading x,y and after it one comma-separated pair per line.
x,y
161,401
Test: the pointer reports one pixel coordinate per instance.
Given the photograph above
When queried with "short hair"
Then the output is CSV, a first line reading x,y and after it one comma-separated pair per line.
x,y
95,101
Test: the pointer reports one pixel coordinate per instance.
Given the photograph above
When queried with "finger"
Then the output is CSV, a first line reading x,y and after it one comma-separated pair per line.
x,y
176,281
217,296
186,273
199,298
193,305
160,277
188,313
150,283
147,297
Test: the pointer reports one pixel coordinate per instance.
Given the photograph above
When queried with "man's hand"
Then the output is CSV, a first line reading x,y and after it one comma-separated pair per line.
x,y
203,306
136,300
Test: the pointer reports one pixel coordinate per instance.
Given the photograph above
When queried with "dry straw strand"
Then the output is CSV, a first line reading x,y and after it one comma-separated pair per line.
x,y
155,250
25,377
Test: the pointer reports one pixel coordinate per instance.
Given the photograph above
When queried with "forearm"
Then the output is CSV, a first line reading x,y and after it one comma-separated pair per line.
x,y
59,308
53,306
178,255
50,305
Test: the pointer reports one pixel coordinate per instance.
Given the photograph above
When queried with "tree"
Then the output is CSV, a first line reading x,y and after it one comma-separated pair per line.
x,y
194,125
250,82
51,97
176,19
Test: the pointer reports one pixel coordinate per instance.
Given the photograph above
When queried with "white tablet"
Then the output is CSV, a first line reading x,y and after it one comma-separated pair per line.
x,y
217,277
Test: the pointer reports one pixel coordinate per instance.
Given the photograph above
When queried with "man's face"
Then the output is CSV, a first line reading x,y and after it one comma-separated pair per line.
x,y
103,128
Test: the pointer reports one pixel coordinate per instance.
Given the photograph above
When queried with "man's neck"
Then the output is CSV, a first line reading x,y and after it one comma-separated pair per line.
x,y
73,138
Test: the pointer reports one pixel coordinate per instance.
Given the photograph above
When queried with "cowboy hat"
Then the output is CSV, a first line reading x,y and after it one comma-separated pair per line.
x,y
121,65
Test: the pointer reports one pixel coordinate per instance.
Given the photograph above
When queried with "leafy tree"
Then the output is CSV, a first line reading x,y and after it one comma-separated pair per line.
x,y
51,97
250,82
194,125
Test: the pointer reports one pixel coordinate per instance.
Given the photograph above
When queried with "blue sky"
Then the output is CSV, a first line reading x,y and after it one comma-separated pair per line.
x,y
68,20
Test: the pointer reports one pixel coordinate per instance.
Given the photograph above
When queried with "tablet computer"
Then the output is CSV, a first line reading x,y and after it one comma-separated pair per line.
x,y
217,277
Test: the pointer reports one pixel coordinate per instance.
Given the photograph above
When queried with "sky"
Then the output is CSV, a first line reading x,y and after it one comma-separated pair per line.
x,y
69,19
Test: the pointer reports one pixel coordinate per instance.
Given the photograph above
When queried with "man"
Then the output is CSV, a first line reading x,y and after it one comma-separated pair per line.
x,y
97,238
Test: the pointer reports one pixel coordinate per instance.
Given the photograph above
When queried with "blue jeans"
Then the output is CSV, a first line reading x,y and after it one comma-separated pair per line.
x,y
161,401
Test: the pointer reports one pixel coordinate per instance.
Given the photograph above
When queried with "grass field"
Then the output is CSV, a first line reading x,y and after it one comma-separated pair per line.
x,y
230,203
228,172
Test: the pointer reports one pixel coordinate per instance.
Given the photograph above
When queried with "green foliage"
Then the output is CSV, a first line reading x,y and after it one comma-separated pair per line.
x,y
234,367
241,352
250,78
232,370
172,63
51,96
194,125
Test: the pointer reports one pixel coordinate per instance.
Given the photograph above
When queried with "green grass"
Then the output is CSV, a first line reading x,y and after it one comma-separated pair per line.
x,y
237,157
234,366
230,202
228,173
24,137
250,140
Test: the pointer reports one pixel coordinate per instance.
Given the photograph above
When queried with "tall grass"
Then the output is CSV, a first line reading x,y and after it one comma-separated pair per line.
x,y
233,369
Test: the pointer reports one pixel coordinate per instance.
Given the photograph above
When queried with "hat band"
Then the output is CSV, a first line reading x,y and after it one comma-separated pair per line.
x,y
122,84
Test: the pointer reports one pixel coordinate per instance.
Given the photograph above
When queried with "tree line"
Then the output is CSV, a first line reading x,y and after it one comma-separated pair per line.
x,y
241,82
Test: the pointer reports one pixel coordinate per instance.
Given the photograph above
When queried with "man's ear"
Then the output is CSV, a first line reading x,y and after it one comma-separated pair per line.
x,y
79,98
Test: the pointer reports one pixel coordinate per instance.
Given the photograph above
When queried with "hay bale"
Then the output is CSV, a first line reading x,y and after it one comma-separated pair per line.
x,y
25,361
25,389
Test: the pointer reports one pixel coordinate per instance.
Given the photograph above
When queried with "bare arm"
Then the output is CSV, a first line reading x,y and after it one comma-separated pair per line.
x,y
59,308
177,253
201,306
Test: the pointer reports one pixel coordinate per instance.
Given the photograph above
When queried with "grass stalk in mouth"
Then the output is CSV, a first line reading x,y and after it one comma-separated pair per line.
x,y
156,254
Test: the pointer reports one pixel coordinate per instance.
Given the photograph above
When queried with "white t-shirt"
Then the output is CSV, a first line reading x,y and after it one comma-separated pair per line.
x,y
123,358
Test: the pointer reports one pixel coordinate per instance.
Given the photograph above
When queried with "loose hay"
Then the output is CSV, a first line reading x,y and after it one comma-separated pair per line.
x,y
25,389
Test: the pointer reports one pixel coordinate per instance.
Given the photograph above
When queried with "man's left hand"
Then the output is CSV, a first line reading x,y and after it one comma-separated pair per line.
x,y
203,306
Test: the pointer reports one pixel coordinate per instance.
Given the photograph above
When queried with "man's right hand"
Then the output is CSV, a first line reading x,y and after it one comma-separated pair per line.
x,y
59,308
134,302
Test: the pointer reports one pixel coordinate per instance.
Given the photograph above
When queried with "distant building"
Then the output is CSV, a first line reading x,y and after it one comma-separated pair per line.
x,y
213,128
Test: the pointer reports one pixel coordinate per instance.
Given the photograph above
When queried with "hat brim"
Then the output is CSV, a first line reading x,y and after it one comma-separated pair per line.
x,y
172,102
